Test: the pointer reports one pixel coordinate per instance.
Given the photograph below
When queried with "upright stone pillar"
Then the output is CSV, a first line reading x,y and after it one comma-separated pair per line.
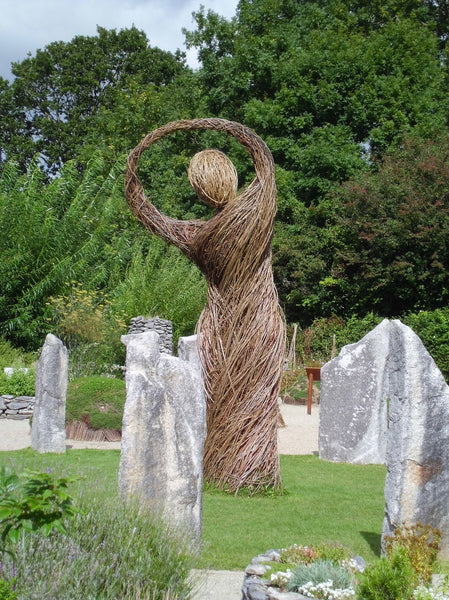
x,y
163,434
383,399
48,426
354,401
417,481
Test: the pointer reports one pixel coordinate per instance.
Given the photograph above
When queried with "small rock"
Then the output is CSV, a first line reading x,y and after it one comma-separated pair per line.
x,y
258,570
275,594
17,405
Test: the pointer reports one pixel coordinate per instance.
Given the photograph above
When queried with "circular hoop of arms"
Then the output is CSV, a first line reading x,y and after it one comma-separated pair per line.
x,y
241,330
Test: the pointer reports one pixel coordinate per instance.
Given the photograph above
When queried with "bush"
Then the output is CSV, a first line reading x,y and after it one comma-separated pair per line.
x,y
388,578
307,554
7,590
111,552
317,340
32,501
14,357
420,543
99,401
20,383
320,571
433,329
90,329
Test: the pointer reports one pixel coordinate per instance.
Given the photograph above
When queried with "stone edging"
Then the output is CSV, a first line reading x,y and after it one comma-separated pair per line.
x,y
255,588
16,407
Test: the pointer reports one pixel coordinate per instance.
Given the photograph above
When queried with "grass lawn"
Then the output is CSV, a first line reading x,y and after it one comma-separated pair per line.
x,y
322,502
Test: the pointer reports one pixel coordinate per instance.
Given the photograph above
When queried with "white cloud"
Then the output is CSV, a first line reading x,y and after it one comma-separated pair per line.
x,y
26,25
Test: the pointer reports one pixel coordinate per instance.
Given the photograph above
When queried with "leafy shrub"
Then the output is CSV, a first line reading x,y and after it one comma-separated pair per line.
x,y
433,329
306,554
420,543
431,326
89,328
14,357
7,590
97,400
334,552
388,578
162,282
111,552
316,341
32,501
320,571
19,383
298,554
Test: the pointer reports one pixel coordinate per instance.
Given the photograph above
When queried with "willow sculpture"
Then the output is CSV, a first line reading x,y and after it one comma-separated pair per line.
x,y
241,329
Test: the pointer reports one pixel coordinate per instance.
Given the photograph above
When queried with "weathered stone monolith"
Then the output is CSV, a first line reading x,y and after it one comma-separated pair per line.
x,y
188,351
417,481
353,401
48,427
384,399
163,434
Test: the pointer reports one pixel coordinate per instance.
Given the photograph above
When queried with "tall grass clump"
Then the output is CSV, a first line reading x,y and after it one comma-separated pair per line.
x,y
110,552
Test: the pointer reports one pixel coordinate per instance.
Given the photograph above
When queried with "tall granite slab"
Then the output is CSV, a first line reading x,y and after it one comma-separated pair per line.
x,y
163,432
354,401
417,481
384,400
48,426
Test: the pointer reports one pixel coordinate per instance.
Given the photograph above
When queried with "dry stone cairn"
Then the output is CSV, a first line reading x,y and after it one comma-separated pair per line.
x,y
386,392
162,327
48,427
164,426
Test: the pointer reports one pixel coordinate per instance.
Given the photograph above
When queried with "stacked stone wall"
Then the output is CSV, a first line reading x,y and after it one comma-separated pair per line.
x,y
16,407
163,328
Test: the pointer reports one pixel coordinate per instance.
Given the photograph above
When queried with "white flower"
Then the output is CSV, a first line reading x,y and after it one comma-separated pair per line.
x,y
325,591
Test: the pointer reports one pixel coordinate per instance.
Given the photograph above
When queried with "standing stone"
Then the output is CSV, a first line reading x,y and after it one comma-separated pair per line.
x,y
163,434
48,427
354,401
188,351
384,399
417,481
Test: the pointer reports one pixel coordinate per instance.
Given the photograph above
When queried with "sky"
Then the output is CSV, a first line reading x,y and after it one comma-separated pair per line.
x,y
27,25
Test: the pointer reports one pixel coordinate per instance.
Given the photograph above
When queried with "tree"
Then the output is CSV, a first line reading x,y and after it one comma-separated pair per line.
x,y
395,256
57,93
74,237
301,73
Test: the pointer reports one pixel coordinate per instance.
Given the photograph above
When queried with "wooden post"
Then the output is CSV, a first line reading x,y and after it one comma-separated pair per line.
x,y
313,374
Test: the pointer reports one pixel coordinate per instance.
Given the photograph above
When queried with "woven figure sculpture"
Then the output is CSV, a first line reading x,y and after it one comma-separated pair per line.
x,y
241,329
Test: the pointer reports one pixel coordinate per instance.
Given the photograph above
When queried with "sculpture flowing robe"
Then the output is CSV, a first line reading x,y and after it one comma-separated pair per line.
x,y
241,329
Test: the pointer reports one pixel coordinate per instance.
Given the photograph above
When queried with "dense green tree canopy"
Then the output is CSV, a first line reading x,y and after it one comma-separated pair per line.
x,y
57,93
320,78
351,98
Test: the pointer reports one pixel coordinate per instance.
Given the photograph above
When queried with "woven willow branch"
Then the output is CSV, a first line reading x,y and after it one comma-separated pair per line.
x,y
242,339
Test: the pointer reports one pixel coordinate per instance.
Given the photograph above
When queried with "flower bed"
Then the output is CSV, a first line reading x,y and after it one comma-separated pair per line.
x,y
295,573
328,572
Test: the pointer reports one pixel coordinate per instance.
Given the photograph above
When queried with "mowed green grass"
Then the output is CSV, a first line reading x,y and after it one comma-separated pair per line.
x,y
322,502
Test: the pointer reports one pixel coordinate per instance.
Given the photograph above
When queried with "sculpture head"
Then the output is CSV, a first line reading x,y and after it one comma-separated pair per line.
x,y
213,177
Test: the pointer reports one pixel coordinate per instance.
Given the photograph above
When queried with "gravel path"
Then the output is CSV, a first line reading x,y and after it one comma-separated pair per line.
x,y
300,436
